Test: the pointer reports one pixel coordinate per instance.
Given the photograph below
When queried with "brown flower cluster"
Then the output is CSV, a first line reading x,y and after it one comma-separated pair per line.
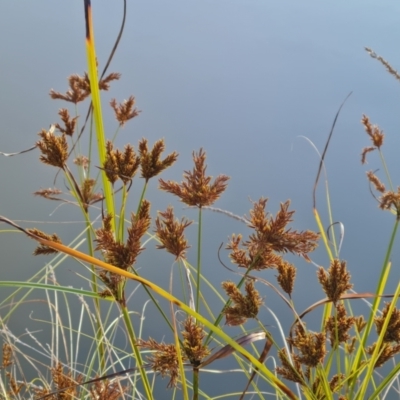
x,y
388,199
150,160
170,232
193,337
391,338
270,236
80,87
245,306
335,281
338,326
124,111
64,381
54,148
197,189
376,136
164,358
120,165
310,352
42,249
118,254
310,346
69,123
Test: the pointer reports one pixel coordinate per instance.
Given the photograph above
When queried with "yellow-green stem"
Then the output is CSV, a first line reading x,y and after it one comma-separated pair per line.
x,y
138,356
198,263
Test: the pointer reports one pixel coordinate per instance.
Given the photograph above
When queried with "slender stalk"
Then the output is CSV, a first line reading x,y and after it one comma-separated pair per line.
x,y
198,261
375,305
96,103
138,356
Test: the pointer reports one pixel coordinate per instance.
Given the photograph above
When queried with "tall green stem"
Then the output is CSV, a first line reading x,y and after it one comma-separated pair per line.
x,y
198,262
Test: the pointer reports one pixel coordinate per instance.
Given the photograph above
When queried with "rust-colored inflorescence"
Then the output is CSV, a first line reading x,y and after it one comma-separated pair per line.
x,y
245,306
196,189
170,232
270,236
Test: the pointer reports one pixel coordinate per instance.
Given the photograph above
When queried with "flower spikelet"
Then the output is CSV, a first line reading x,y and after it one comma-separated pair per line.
x,y
104,84
311,346
88,195
390,199
375,134
164,359
105,390
386,352
170,232
150,162
338,326
64,380
193,346
197,189
128,163
54,148
286,277
392,333
379,186
335,281
122,165
124,111
110,163
245,306
119,254
42,249
79,90
256,256
270,235
290,372
69,123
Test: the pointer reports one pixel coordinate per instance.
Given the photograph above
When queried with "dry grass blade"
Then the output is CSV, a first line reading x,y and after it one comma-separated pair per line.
x,y
321,162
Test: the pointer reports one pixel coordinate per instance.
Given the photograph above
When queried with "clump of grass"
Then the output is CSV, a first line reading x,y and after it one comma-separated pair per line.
x,y
340,360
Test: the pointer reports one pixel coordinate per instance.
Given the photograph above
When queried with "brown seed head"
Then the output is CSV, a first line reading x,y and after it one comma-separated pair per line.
x,y
335,281
290,371
79,90
164,359
48,193
170,232
379,186
106,390
311,346
69,123
196,189
390,199
54,149
338,326
124,111
104,84
88,195
392,333
386,352
286,277
270,235
42,249
150,161
375,134
110,163
245,306
193,336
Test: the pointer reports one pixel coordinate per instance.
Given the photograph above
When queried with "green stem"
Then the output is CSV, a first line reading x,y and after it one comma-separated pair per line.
x,y
195,383
379,290
198,262
138,356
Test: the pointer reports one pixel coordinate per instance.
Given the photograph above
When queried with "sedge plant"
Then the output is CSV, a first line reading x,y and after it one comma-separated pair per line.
x,y
341,360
